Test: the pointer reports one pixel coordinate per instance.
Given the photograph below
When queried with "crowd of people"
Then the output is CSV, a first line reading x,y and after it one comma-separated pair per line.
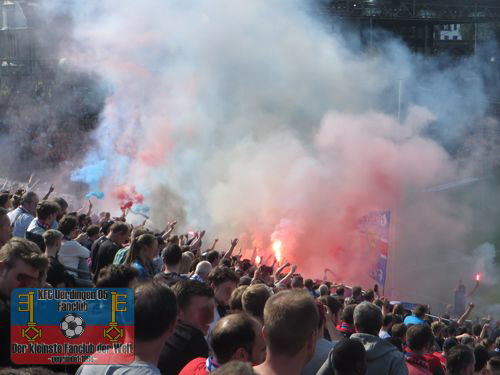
x,y
198,310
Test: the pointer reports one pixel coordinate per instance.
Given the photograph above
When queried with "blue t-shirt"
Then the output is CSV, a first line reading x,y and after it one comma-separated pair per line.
x,y
412,319
144,274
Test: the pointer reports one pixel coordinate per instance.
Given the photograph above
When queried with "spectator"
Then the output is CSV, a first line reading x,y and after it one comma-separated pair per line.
x,y
46,213
346,326
23,215
349,358
460,361
334,308
417,317
494,366
324,290
357,294
121,255
382,357
202,271
187,259
309,285
22,265
155,317
141,254
114,276
5,201
223,281
235,368
5,227
323,346
172,256
105,252
481,357
254,299
236,337
419,339
386,327
72,253
63,208
290,330
235,302
297,282
56,275
92,232
196,306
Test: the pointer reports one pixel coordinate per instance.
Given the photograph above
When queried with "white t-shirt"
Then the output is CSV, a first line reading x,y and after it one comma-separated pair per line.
x,y
71,252
134,368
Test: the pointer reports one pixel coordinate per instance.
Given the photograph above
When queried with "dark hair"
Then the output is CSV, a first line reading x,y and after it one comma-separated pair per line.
x,y
297,282
230,333
420,311
92,230
116,276
290,318
368,318
212,256
221,274
387,320
482,357
449,343
254,299
61,202
369,295
494,363
333,304
225,262
137,249
28,197
21,249
398,309
419,337
396,341
356,291
155,310
172,254
67,224
348,314
308,283
459,358
347,355
185,290
119,228
339,291
398,330
46,208
4,198
235,303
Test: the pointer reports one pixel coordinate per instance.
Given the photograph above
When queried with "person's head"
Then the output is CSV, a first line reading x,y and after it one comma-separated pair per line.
x,y
334,306
143,250
309,284
235,368
235,302
223,280
357,293
196,304
290,325
21,265
297,282
63,206
213,257
5,200
460,361
119,232
324,290
238,337
5,227
117,276
419,338
482,356
494,366
348,314
349,358
398,309
369,295
254,299
52,239
437,329
185,262
46,212
399,330
387,322
448,344
93,232
68,226
203,269
339,291
420,311
29,201
367,318
172,255
154,302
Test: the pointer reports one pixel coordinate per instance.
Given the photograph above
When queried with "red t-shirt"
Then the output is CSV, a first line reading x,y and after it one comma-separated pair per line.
x,y
196,367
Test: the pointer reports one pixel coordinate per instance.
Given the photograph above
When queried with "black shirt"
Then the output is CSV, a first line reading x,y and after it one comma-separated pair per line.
x,y
105,255
55,272
4,332
93,251
169,278
186,344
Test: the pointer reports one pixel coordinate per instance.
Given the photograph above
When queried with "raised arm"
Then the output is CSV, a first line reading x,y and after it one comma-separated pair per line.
x,y
51,189
467,312
168,229
229,253
289,274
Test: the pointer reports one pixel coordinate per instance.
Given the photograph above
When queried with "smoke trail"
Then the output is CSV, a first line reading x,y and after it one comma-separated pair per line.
x,y
250,120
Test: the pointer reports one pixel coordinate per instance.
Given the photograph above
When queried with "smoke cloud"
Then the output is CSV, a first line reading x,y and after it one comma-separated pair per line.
x,y
251,119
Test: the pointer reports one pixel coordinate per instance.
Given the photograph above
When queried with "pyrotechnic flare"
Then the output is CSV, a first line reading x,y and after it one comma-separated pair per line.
x,y
277,250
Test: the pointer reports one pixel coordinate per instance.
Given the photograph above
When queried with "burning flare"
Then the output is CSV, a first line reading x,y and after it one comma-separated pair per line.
x,y
277,250
478,277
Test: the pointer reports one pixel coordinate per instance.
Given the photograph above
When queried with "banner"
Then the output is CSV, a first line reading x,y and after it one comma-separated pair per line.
x,y
374,227
72,326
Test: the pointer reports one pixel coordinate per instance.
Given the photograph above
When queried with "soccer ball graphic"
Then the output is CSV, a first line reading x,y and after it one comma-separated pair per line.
x,y
72,326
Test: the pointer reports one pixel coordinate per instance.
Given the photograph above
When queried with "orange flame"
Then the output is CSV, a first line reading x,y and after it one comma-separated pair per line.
x,y
277,250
